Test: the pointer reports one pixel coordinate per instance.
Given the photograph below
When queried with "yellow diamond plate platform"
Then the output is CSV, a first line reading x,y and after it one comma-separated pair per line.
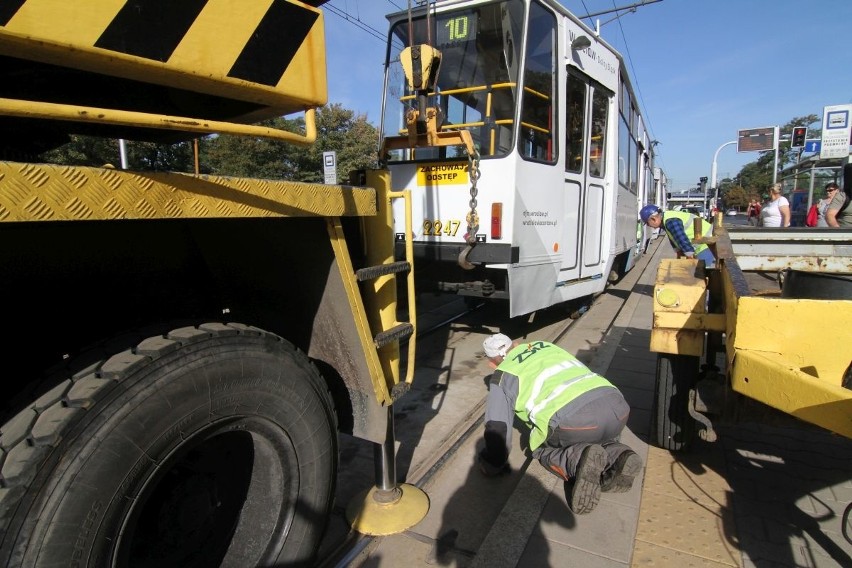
x,y
41,192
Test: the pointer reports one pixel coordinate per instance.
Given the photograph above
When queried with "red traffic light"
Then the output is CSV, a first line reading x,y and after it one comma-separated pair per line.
x,y
800,133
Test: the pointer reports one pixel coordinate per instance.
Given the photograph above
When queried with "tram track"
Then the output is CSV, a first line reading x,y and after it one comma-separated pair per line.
x,y
553,325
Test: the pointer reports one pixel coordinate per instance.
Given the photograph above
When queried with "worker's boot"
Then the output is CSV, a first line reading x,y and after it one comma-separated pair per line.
x,y
619,478
586,491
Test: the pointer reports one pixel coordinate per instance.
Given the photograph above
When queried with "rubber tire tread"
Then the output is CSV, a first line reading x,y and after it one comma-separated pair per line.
x,y
672,428
38,444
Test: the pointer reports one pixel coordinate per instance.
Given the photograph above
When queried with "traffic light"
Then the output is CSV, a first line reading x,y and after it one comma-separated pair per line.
x,y
800,133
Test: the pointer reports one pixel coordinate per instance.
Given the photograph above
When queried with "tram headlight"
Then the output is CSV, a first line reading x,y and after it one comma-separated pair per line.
x,y
496,220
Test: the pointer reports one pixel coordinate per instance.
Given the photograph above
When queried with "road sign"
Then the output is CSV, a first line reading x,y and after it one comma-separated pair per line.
x,y
813,145
836,128
756,139
329,167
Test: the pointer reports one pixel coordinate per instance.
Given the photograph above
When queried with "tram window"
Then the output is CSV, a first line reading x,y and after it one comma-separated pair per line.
x,y
478,81
597,142
624,152
575,124
537,107
634,166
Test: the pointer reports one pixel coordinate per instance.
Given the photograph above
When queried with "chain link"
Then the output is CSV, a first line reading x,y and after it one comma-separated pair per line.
x,y
472,217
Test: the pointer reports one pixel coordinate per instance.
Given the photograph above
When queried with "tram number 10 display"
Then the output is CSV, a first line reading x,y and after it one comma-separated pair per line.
x,y
457,28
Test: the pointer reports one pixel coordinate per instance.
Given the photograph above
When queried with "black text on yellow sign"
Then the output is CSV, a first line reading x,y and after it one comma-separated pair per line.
x,y
442,174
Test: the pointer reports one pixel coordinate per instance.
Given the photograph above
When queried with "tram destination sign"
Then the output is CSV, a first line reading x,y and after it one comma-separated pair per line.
x,y
756,139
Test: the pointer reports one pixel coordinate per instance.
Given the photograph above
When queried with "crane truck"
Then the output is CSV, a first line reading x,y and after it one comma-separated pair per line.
x,y
182,350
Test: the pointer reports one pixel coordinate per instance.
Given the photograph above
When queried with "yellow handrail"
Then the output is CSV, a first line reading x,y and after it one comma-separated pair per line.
x,y
55,111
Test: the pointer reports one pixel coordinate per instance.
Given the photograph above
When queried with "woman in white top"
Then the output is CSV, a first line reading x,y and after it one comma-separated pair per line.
x,y
776,213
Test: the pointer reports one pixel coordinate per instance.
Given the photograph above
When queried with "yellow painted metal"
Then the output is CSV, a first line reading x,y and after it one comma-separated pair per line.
x,y
380,293
420,64
362,322
706,322
368,515
75,113
409,282
810,335
66,33
680,317
770,378
41,192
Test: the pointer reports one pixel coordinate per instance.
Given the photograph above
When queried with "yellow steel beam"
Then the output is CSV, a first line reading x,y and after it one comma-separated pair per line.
x,y
375,364
771,379
93,115
705,322
42,192
809,334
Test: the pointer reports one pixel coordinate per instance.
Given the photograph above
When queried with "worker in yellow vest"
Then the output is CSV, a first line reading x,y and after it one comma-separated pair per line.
x,y
575,417
680,228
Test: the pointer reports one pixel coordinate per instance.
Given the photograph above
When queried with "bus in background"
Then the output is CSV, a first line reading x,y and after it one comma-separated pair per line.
x,y
561,162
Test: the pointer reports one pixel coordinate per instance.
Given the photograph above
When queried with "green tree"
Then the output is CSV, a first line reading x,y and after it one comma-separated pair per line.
x,y
755,177
736,196
98,151
353,138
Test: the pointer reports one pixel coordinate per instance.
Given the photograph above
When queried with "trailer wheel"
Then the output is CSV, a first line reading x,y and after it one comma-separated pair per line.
x,y
672,427
208,446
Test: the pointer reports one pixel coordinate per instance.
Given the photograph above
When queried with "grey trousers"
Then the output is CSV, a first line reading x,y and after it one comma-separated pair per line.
x,y
575,427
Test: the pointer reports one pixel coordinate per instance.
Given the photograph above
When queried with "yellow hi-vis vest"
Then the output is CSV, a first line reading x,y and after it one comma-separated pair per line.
x,y
548,379
688,227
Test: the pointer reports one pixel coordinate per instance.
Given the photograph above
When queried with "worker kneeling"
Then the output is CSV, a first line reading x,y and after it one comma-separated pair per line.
x,y
575,418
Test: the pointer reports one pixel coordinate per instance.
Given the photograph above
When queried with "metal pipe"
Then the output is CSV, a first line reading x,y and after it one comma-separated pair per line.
x,y
713,169
385,462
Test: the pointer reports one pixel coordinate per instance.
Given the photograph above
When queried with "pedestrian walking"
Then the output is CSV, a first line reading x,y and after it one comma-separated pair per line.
x,y
575,418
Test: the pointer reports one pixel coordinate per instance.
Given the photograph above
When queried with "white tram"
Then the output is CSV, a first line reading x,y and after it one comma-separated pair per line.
x,y
565,160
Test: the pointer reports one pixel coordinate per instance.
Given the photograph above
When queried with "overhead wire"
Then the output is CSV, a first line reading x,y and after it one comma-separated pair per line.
x,y
356,21
647,116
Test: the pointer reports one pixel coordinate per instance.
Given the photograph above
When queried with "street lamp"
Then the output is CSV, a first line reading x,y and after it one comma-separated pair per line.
x,y
713,168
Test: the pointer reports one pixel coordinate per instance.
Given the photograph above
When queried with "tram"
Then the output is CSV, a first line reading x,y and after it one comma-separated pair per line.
x,y
545,209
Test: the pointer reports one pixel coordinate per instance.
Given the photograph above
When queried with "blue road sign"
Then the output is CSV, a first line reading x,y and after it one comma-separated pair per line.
x,y
813,145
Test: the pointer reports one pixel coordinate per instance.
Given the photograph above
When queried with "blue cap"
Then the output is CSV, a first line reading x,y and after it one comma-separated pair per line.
x,y
646,212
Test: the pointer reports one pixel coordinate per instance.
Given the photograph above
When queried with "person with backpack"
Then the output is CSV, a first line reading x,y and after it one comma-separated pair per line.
x,y
838,213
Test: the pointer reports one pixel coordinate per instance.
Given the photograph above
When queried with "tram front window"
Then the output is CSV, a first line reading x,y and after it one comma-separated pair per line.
x,y
478,79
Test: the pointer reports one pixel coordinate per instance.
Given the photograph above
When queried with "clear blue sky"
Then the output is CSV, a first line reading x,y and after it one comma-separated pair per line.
x,y
702,69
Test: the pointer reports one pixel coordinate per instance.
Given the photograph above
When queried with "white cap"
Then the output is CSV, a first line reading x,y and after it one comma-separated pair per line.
x,y
497,345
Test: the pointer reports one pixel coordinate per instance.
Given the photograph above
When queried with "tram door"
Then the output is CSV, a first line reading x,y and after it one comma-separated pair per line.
x,y
587,105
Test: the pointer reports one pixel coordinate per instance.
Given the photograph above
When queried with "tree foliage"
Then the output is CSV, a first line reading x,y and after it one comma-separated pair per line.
x,y
353,139
349,134
755,177
96,151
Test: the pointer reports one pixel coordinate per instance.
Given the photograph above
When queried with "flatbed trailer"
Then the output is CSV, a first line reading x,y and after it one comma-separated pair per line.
x,y
769,323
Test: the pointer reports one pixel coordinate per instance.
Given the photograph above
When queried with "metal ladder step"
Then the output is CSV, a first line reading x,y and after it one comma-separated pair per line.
x,y
396,333
372,272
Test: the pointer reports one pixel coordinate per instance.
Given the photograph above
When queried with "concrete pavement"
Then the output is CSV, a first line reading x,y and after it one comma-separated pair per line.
x,y
764,495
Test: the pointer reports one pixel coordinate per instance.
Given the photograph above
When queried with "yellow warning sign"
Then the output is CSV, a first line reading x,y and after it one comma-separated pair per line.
x,y
442,174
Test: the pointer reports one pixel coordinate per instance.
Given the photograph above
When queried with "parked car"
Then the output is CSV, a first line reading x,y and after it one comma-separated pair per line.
x,y
731,213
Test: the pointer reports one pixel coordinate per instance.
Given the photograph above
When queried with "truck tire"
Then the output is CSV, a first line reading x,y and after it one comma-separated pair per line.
x,y
208,446
672,427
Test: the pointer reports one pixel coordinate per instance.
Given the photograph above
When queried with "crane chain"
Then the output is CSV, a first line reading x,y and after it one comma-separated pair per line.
x,y
472,217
